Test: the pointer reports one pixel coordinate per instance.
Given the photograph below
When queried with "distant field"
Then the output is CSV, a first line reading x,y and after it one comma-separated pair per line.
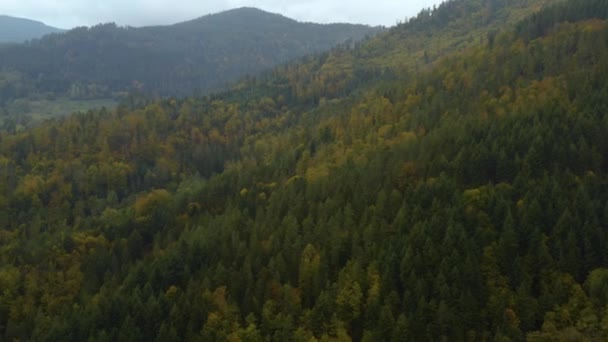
x,y
22,113
45,109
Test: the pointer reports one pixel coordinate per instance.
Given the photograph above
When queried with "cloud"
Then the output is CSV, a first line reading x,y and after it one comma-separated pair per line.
x,y
70,13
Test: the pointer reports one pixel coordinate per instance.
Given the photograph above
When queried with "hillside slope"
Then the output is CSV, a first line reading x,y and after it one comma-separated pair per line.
x,y
464,200
18,30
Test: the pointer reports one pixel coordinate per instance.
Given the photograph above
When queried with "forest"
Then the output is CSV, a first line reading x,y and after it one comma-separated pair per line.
x,y
446,180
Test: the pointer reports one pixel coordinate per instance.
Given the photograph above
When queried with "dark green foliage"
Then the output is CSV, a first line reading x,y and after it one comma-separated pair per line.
x,y
542,22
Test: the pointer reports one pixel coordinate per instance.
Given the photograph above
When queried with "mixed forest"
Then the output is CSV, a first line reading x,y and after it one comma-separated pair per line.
x,y
446,180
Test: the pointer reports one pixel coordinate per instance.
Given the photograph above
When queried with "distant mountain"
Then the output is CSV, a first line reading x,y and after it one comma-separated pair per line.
x,y
201,55
18,30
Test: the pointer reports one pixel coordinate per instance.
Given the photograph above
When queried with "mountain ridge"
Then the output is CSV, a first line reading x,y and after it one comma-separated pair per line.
x,y
237,12
201,55
17,30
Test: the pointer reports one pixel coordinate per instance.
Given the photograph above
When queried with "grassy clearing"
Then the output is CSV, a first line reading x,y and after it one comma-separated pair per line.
x,y
46,109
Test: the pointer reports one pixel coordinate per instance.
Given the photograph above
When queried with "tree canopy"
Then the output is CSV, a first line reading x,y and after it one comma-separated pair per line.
x,y
460,195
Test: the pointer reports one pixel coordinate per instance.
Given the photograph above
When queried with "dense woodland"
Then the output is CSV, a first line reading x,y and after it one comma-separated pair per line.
x,y
453,196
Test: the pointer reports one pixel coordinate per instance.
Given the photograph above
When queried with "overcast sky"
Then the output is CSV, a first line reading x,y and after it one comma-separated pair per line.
x,y
71,13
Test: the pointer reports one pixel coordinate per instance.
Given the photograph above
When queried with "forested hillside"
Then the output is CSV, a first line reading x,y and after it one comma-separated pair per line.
x,y
19,30
459,195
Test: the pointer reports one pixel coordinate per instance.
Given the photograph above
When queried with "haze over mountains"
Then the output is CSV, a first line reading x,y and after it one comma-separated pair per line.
x,y
18,30
446,180
203,54
106,62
